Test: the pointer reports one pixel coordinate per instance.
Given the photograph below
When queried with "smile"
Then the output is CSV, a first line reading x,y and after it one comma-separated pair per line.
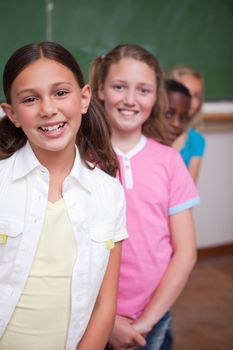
x,y
52,128
128,112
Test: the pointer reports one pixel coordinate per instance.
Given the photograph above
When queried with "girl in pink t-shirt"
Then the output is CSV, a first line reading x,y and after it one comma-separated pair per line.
x,y
160,252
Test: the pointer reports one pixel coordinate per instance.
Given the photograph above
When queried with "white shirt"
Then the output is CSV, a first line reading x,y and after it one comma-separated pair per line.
x,y
96,207
42,316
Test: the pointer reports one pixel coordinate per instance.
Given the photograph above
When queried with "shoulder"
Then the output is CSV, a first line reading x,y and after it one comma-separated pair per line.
x,y
108,202
196,140
103,182
162,152
174,176
6,163
196,135
6,171
157,146
165,160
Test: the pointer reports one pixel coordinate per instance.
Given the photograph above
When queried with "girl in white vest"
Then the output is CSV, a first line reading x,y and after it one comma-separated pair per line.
x,y
62,214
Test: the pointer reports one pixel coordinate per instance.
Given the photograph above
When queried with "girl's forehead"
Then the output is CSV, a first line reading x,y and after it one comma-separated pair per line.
x,y
43,67
127,62
132,68
178,98
43,74
44,62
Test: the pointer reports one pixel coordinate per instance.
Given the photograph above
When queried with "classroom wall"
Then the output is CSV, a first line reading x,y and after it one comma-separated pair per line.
x,y
214,216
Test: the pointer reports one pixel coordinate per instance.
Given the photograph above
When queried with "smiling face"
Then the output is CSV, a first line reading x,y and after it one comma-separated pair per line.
x,y
177,115
128,94
195,87
47,103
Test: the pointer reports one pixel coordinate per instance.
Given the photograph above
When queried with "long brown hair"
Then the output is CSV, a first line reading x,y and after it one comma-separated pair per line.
x,y
93,138
153,126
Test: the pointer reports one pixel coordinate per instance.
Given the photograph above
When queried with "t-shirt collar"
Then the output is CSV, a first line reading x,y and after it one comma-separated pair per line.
x,y
136,149
26,162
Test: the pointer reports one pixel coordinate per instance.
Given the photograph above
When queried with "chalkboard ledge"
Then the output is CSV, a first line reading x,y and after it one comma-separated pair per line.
x,y
218,111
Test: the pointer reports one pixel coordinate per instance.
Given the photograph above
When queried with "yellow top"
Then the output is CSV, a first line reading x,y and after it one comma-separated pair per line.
x,y
41,318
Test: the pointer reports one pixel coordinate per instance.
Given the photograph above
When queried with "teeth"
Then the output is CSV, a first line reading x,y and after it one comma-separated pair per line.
x,y
52,127
127,112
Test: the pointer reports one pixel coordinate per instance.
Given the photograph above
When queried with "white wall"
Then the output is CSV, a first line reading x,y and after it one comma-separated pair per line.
x,y
1,112
214,216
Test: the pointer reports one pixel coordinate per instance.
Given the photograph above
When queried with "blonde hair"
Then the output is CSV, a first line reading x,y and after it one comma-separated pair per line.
x,y
176,73
179,70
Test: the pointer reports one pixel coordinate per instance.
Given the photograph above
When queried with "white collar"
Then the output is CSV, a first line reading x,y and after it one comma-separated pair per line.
x,y
26,162
136,149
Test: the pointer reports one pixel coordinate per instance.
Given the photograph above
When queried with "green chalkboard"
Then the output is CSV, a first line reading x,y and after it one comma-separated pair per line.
x,y
193,32
21,22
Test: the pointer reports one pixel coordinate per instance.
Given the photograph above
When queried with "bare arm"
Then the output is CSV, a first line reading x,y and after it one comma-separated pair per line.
x,y
175,278
194,167
101,323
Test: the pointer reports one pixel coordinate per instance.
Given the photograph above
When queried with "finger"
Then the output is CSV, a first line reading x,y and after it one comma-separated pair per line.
x,y
139,339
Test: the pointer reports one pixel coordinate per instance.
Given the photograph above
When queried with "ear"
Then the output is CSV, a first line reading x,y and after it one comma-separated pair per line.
x,y
8,109
85,98
101,90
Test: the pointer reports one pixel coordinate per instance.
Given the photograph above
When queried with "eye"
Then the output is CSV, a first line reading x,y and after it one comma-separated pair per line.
x,y
29,99
144,91
119,87
168,115
61,93
184,119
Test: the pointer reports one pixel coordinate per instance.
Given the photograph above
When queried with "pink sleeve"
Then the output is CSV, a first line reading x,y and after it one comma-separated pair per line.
x,y
182,191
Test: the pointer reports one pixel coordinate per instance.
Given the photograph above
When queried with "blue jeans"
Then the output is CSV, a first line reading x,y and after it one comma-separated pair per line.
x,y
168,340
157,335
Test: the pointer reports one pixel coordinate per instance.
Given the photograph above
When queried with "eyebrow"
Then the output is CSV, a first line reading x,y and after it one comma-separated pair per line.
x,y
31,90
139,83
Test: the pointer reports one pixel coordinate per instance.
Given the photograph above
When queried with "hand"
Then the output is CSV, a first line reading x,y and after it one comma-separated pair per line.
x,y
141,327
124,336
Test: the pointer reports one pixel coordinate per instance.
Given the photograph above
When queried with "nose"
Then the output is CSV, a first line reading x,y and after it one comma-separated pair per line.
x,y
48,108
176,122
129,97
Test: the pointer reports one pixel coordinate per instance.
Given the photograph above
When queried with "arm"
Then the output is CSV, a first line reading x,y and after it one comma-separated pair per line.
x,y
175,278
103,315
194,167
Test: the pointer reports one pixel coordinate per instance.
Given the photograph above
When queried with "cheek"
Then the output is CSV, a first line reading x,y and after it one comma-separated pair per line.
x,y
111,100
25,116
195,103
167,122
148,105
72,107
182,128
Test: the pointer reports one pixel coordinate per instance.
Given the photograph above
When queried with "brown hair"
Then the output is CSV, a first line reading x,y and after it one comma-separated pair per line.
x,y
153,126
93,137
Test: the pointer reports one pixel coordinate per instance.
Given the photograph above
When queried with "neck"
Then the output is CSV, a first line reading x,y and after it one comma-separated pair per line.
x,y
57,162
59,165
126,141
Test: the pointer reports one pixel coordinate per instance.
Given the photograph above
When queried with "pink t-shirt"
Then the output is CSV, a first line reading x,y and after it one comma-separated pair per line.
x,y
157,184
